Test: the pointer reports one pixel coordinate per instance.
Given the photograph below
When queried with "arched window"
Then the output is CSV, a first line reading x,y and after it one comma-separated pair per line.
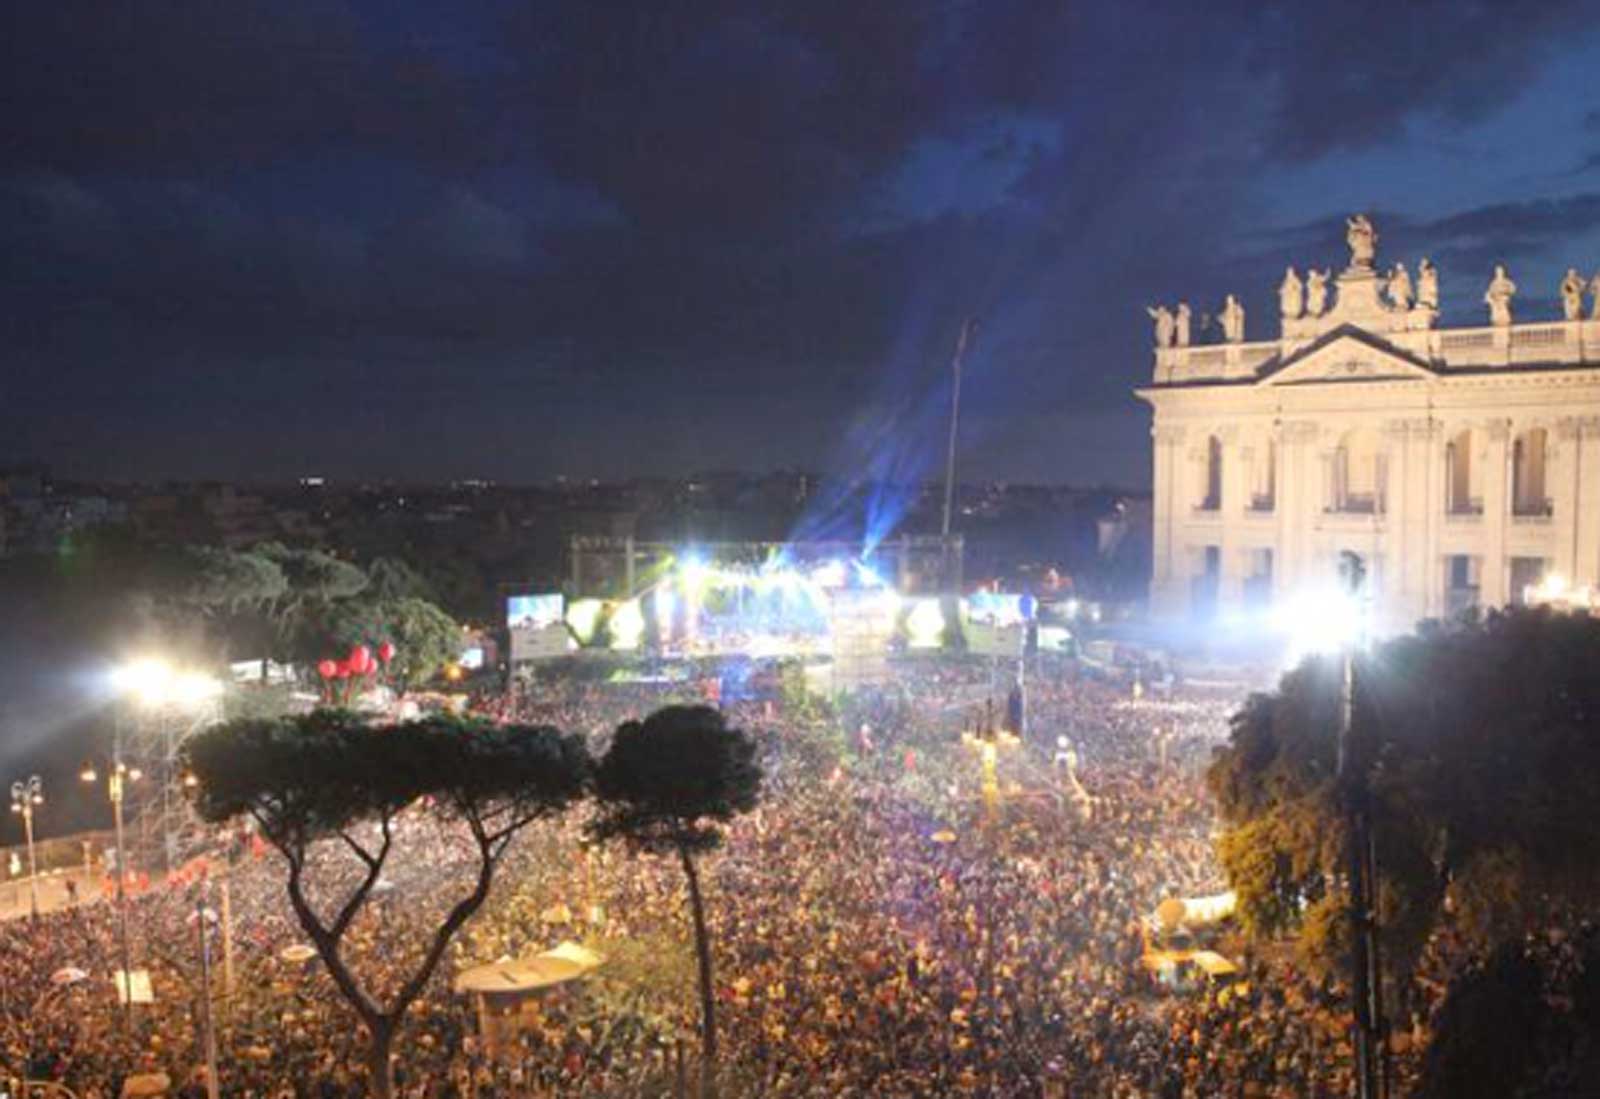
x,y
1528,496
1358,473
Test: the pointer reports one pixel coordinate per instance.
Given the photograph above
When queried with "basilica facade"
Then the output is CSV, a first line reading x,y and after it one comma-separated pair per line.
x,y
1460,465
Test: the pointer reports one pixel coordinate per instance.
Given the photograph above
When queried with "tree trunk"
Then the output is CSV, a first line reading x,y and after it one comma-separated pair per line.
x,y
708,1000
380,1073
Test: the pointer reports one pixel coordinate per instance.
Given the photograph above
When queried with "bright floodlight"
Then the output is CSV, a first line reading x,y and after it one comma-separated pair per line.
x,y
925,625
146,679
829,575
1323,621
868,576
693,570
192,688
1553,588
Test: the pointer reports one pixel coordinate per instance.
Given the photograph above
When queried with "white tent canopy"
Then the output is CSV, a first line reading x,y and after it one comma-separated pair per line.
x,y
566,962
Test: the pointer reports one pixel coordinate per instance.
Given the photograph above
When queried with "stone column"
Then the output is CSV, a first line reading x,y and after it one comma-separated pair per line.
x,y
1398,536
1434,498
1166,576
1439,501
1586,492
1563,483
1282,504
1295,503
1496,513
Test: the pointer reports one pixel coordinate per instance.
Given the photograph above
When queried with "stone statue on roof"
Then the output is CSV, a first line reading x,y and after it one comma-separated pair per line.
x,y
1291,295
1363,241
1181,324
1427,284
1232,319
1317,292
1165,324
1572,295
1498,296
1400,287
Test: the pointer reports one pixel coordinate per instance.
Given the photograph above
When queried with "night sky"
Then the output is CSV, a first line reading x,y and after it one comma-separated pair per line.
x,y
598,238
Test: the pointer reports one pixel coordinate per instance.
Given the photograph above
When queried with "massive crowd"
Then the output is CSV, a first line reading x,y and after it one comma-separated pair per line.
x,y
879,929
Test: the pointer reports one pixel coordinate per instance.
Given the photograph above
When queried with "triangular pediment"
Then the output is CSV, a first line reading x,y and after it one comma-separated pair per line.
x,y
1348,354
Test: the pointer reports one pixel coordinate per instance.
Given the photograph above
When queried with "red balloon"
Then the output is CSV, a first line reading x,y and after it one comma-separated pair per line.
x,y
386,652
327,669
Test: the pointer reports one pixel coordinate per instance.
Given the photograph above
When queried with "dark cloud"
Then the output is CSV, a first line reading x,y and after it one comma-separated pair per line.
x,y
605,237
183,85
1350,74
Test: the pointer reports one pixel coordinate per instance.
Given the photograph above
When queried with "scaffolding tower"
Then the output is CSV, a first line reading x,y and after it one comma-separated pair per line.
x,y
163,832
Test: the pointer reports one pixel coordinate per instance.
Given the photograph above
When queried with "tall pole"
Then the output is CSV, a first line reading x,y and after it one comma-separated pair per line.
x,y
33,862
227,941
168,752
117,777
24,796
969,330
200,920
1361,870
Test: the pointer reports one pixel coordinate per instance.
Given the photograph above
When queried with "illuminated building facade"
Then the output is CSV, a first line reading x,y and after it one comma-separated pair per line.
x,y
1462,465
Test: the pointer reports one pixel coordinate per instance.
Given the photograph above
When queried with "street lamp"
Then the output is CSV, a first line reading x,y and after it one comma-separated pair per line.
x,y
1354,777
203,918
1335,622
25,796
119,774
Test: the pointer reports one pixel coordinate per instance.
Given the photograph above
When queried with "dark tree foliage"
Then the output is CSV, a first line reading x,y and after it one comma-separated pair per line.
x,y
424,637
315,778
314,582
665,786
1483,742
311,576
1487,1034
392,578
215,579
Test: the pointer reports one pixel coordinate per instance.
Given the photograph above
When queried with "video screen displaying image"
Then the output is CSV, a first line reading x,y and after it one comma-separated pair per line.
x,y
537,626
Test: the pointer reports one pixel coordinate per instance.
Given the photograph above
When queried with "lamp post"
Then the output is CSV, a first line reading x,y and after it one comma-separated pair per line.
x,y
24,796
203,917
1354,765
117,778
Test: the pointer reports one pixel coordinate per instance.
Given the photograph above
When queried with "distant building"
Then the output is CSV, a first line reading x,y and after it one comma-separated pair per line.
x,y
1461,465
